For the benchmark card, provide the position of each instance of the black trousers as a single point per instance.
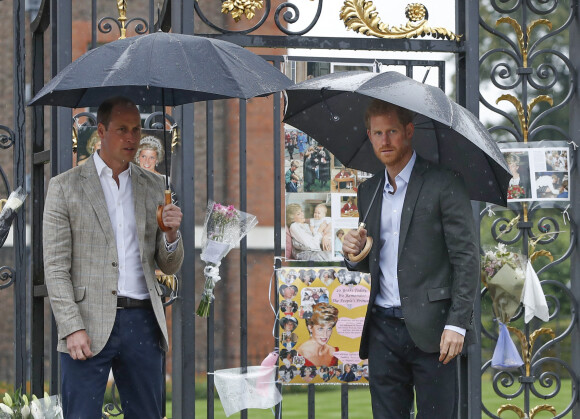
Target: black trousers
(397, 368)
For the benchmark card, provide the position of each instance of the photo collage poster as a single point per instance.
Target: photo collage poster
(321, 199)
(321, 315)
(150, 156)
(539, 174)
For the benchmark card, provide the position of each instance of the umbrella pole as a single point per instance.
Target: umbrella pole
(369, 244)
(167, 200)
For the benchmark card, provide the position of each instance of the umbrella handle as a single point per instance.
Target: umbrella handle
(365, 251)
(162, 226)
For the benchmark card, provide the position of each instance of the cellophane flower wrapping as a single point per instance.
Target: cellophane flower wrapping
(9, 211)
(505, 355)
(48, 407)
(223, 229)
(18, 407)
(503, 271)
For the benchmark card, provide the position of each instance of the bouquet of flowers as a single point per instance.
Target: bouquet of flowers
(503, 273)
(18, 407)
(516, 192)
(223, 229)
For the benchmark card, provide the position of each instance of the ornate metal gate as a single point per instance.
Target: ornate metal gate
(224, 133)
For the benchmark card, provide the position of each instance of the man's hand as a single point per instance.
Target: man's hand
(451, 345)
(172, 219)
(354, 241)
(79, 345)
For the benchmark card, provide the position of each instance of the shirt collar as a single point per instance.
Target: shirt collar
(100, 164)
(405, 174)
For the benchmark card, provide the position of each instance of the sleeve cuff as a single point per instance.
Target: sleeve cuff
(171, 247)
(459, 330)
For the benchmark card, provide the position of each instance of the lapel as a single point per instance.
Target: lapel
(374, 217)
(413, 189)
(139, 199)
(93, 190)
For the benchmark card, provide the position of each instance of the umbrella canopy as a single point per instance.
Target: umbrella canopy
(331, 109)
(186, 68)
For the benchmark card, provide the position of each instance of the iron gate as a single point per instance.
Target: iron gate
(221, 164)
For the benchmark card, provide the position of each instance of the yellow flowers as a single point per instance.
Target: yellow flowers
(239, 8)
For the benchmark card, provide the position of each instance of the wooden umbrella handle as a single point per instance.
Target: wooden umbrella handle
(365, 251)
(162, 226)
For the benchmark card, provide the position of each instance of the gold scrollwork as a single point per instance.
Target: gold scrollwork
(523, 116)
(122, 7)
(75, 140)
(539, 253)
(361, 16)
(542, 407)
(511, 407)
(527, 349)
(239, 8)
(523, 42)
(521, 414)
(175, 137)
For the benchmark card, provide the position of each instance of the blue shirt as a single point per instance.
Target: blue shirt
(389, 240)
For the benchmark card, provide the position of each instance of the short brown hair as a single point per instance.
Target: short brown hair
(379, 107)
(106, 108)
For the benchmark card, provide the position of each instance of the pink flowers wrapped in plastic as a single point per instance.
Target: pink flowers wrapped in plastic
(224, 227)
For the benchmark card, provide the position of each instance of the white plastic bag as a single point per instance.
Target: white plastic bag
(255, 388)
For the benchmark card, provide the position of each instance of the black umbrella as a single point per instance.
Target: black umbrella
(163, 69)
(331, 109)
(185, 68)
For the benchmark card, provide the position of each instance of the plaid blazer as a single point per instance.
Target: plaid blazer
(80, 252)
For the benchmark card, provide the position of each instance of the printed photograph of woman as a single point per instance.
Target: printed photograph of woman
(316, 350)
(150, 154)
(306, 244)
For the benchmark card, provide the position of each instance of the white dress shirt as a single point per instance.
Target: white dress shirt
(122, 215)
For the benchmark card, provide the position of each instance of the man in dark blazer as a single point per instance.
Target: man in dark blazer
(424, 270)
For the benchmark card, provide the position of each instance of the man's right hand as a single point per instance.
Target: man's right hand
(354, 241)
(79, 345)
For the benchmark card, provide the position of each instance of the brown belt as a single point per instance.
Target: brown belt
(126, 302)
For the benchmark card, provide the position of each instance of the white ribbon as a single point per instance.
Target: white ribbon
(565, 214)
(573, 144)
(212, 272)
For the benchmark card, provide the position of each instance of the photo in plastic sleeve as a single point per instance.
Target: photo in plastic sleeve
(551, 174)
(321, 318)
(345, 180)
(308, 227)
(538, 174)
(151, 152)
(293, 176)
(520, 188)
